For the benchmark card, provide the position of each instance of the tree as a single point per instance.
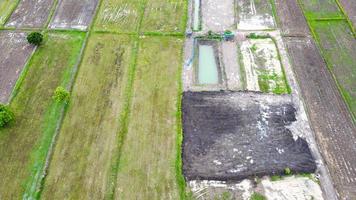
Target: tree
(6, 115)
(35, 38)
(61, 95)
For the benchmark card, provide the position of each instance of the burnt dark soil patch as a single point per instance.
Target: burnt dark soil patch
(236, 135)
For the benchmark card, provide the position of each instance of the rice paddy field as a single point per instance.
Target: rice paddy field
(120, 134)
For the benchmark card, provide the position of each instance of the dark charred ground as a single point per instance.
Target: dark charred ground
(235, 135)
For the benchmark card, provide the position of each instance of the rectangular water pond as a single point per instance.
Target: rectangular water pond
(207, 70)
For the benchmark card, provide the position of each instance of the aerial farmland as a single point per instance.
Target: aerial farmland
(178, 99)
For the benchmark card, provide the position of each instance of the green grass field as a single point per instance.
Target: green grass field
(119, 15)
(81, 163)
(321, 9)
(164, 16)
(6, 7)
(339, 50)
(147, 166)
(24, 144)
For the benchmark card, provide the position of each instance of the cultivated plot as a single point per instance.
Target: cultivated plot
(87, 142)
(254, 15)
(339, 50)
(327, 113)
(30, 14)
(73, 14)
(119, 15)
(147, 162)
(291, 18)
(14, 52)
(6, 7)
(24, 144)
(321, 9)
(262, 66)
(235, 135)
(164, 16)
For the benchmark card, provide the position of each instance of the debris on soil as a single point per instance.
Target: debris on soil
(236, 135)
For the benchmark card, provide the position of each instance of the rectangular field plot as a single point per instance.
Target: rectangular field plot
(14, 52)
(263, 68)
(147, 162)
(81, 163)
(73, 14)
(339, 50)
(119, 15)
(164, 16)
(24, 144)
(6, 7)
(291, 18)
(254, 15)
(321, 8)
(30, 14)
(236, 135)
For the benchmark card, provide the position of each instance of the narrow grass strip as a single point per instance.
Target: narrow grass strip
(178, 163)
(51, 13)
(329, 19)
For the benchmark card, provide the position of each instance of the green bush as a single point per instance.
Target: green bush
(6, 115)
(287, 171)
(61, 95)
(35, 38)
(257, 196)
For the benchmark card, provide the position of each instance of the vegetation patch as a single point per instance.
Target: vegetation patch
(6, 8)
(24, 145)
(87, 141)
(147, 166)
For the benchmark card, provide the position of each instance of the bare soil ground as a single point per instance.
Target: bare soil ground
(218, 15)
(30, 13)
(329, 116)
(291, 18)
(235, 135)
(14, 52)
(350, 8)
(74, 14)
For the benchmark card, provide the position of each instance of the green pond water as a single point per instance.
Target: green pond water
(208, 70)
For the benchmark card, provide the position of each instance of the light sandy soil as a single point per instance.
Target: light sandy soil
(214, 19)
(14, 52)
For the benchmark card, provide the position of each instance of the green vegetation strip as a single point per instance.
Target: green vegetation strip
(347, 18)
(25, 143)
(147, 167)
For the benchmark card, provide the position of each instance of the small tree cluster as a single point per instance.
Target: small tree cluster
(6, 115)
(61, 95)
(35, 38)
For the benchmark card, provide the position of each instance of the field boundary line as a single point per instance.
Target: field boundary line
(329, 19)
(9, 15)
(51, 13)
